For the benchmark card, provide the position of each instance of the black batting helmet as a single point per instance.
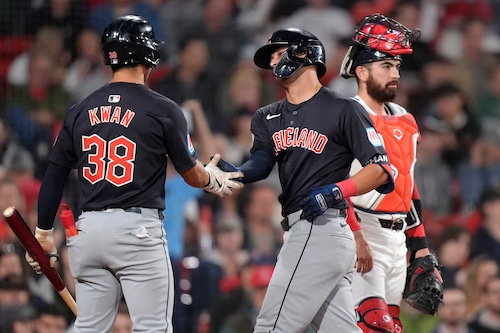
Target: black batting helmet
(377, 37)
(130, 40)
(299, 42)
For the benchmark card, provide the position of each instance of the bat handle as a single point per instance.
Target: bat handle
(68, 299)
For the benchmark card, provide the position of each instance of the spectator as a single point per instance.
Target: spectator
(189, 79)
(223, 37)
(10, 149)
(48, 40)
(244, 92)
(35, 109)
(488, 107)
(486, 241)
(433, 177)
(473, 65)
(10, 195)
(261, 212)
(459, 131)
(453, 249)
(69, 16)
(51, 318)
(229, 254)
(242, 320)
(179, 16)
(88, 70)
(10, 261)
(14, 289)
(487, 319)
(17, 318)
(435, 71)
(479, 271)
(452, 312)
(108, 11)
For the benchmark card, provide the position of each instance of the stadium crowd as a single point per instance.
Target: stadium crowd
(223, 250)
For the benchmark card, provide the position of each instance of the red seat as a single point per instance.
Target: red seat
(11, 46)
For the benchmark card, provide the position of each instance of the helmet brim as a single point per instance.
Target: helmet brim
(262, 57)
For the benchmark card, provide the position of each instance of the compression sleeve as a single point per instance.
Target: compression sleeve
(258, 166)
(50, 194)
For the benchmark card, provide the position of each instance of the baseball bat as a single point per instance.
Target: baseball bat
(30, 244)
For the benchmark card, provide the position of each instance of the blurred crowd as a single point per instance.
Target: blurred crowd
(223, 250)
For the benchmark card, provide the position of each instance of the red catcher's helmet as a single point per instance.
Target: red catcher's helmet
(377, 37)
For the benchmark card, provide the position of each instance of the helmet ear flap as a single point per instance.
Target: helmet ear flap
(346, 70)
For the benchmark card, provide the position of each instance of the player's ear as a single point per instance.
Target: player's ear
(362, 73)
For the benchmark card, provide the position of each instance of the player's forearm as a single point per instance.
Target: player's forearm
(197, 176)
(258, 167)
(369, 178)
(50, 194)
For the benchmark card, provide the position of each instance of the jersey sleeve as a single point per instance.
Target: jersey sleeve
(63, 151)
(361, 136)
(365, 142)
(179, 145)
(260, 134)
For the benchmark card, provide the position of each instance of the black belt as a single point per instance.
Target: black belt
(137, 210)
(294, 217)
(392, 224)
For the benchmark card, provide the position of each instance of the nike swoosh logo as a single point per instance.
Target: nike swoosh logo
(271, 116)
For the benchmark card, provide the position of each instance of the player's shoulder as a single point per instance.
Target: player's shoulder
(396, 109)
(272, 109)
(340, 101)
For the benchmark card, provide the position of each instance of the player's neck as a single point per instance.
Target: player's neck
(374, 105)
(303, 88)
(137, 75)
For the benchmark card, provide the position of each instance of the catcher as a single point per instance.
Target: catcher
(389, 221)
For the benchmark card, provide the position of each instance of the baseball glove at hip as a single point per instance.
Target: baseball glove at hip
(423, 291)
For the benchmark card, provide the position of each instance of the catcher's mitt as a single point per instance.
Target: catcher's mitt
(423, 291)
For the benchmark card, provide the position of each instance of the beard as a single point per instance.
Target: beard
(381, 94)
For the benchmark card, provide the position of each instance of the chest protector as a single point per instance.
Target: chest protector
(399, 134)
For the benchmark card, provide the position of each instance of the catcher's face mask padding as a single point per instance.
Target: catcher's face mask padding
(377, 37)
(304, 49)
(130, 40)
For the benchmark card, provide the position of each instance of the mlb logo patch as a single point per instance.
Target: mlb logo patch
(373, 137)
(114, 98)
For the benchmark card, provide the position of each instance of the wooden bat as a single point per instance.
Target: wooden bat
(30, 244)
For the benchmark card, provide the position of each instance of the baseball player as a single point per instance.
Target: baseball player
(313, 134)
(375, 59)
(118, 139)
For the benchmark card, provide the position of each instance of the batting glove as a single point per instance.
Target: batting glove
(221, 182)
(227, 167)
(46, 240)
(319, 200)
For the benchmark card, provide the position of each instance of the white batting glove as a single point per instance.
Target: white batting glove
(46, 240)
(221, 182)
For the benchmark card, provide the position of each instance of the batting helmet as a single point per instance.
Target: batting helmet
(304, 49)
(130, 40)
(377, 37)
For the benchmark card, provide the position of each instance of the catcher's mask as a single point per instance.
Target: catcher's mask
(304, 49)
(130, 40)
(377, 37)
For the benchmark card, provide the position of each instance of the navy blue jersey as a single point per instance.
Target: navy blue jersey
(315, 142)
(118, 139)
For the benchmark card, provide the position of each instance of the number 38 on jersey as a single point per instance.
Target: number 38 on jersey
(112, 160)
